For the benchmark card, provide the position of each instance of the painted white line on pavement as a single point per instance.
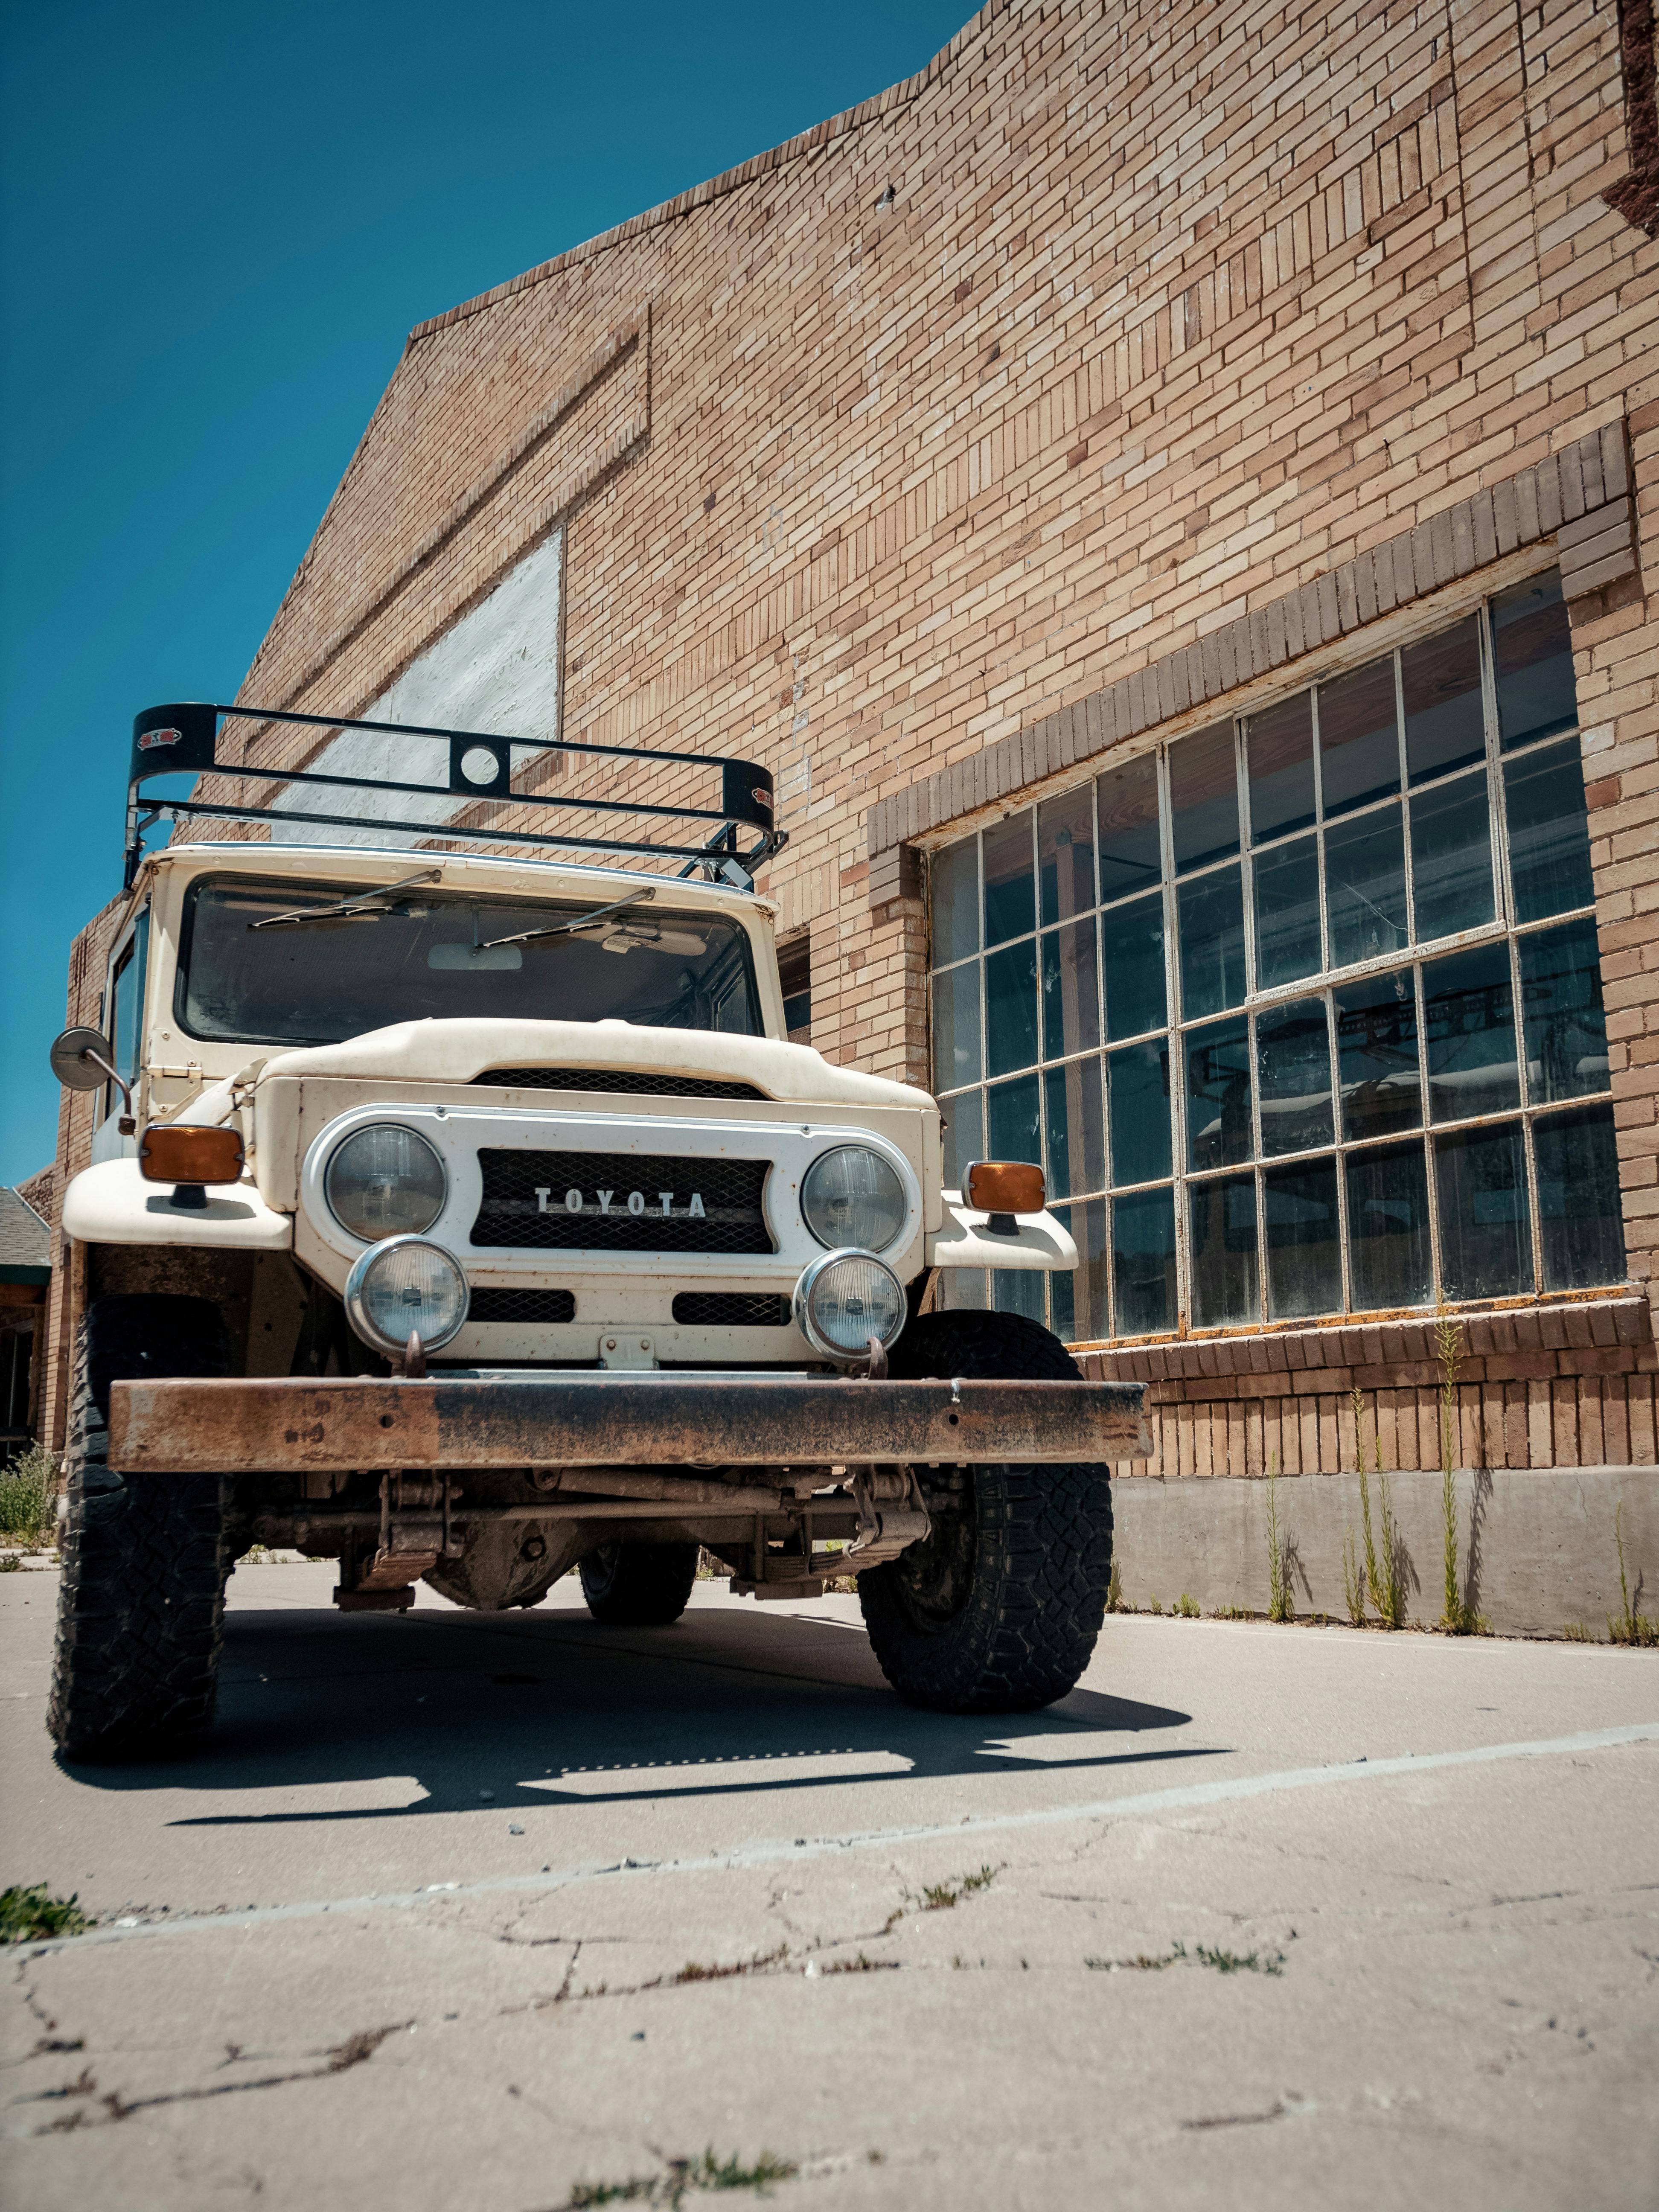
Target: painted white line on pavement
(1189, 1798)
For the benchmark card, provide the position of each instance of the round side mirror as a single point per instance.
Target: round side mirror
(69, 1063)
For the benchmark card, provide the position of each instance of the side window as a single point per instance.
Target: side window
(126, 1005)
(795, 973)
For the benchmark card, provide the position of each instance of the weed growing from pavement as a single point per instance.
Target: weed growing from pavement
(1630, 1625)
(942, 1896)
(1458, 1616)
(28, 1499)
(860, 1965)
(680, 2178)
(1280, 1607)
(1574, 1631)
(1185, 1607)
(1201, 1955)
(693, 1972)
(1115, 1591)
(32, 1916)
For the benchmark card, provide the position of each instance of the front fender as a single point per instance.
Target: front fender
(967, 1240)
(112, 1204)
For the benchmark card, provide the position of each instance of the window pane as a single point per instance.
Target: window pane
(1204, 797)
(1451, 857)
(1469, 1016)
(1136, 998)
(956, 902)
(1224, 1291)
(961, 1290)
(1143, 1261)
(1010, 882)
(1365, 887)
(1376, 1055)
(1020, 1290)
(1278, 745)
(1293, 1077)
(1302, 1227)
(1219, 1095)
(1071, 990)
(1358, 739)
(1579, 1220)
(1287, 913)
(956, 1027)
(1077, 1141)
(1130, 859)
(1549, 832)
(1486, 1241)
(1011, 1008)
(1440, 678)
(1014, 1132)
(963, 1135)
(1532, 654)
(1390, 1256)
(1077, 1307)
(1212, 920)
(1566, 1026)
(1065, 854)
(1139, 1080)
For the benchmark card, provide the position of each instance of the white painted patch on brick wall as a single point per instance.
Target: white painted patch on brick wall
(496, 671)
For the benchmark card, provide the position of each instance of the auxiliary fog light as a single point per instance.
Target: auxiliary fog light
(406, 1283)
(844, 1299)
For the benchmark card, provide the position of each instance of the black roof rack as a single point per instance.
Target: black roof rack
(185, 736)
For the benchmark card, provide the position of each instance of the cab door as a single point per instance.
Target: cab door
(124, 1011)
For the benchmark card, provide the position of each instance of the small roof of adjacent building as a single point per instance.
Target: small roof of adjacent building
(25, 1240)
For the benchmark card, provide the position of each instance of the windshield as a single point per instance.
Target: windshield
(307, 980)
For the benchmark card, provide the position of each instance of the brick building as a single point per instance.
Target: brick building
(1170, 493)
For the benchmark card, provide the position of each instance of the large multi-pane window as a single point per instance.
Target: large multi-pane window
(1302, 1012)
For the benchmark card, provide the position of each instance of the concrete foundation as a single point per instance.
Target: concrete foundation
(1536, 1547)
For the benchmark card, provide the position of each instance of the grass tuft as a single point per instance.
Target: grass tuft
(1280, 1606)
(32, 1916)
(1201, 1955)
(1185, 1607)
(1630, 1625)
(1115, 1591)
(943, 1896)
(681, 2177)
(1575, 1631)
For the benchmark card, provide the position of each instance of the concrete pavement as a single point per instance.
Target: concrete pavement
(413, 1925)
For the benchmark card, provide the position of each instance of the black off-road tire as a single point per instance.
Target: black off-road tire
(639, 1585)
(146, 1557)
(998, 1610)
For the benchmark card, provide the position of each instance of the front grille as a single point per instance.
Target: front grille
(731, 1309)
(615, 1079)
(614, 1202)
(540, 1308)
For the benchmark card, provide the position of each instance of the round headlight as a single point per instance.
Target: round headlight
(385, 1181)
(406, 1284)
(851, 1196)
(844, 1299)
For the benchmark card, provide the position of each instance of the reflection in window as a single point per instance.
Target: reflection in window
(1154, 1013)
(1293, 1077)
(1212, 925)
(1451, 857)
(1486, 1239)
(1579, 1220)
(1223, 1244)
(1390, 1248)
(1301, 1230)
(1549, 832)
(1564, 1021)
(1468, 1017)
(1376, 1055)
(1532, 662)
(1219, 1095)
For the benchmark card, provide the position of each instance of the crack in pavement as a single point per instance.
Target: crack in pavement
(355, 2051)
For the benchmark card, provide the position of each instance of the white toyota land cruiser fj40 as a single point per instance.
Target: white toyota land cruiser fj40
(467, 1219)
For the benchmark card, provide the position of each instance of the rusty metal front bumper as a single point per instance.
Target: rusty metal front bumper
(559, 1420)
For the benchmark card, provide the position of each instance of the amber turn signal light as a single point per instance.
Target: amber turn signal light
(1004, 1187)
(181, 1154)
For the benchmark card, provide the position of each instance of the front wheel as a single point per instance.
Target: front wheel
(639, 1585)
(998, 1610)
(140, 1608)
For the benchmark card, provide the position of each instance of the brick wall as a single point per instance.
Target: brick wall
(1043, 375)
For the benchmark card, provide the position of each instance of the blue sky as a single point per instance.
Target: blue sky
(216, 225)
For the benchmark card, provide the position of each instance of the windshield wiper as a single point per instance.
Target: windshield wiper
(565, 928)
(362, 904)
